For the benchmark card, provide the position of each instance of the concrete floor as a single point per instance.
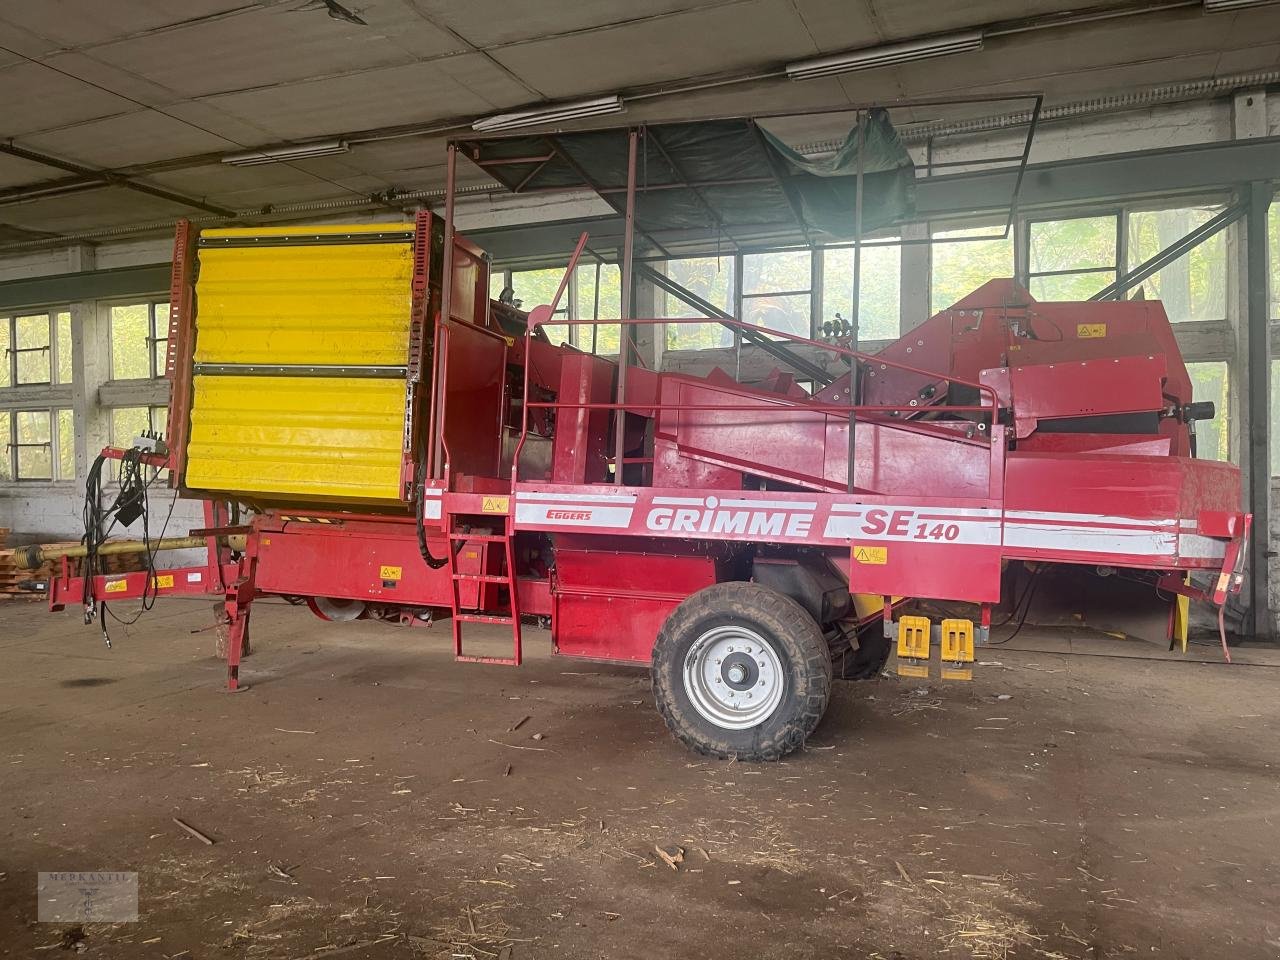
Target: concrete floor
(1058, 806)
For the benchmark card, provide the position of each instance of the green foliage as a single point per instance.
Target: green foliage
(879, 290)
(130, 352)
(1209, 382)
(961, 266)
(1193, 287)
(711, 278)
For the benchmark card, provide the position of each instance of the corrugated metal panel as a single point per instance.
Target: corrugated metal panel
(321, 438)
(330, 303)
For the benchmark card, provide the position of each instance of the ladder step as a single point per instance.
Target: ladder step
(482, 578)
(498, 661)
(482, 618)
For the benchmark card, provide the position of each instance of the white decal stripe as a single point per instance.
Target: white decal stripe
(539, 514)
(1096, 519)
(976, 531)
(680, 501)
(1090, 539)
(578, 497)
(920, 513)
(771, 504)
(1202, 548)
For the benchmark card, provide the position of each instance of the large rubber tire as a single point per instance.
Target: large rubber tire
(796, 651)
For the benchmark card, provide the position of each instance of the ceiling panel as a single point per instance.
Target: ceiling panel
(914, 18)
(495, 22)
(841, 24)
(745, 35)
(75, 22)
(100, 208)
(37, 98)
(15, 172)
(125, 140)
(282, 44)
(416, 92)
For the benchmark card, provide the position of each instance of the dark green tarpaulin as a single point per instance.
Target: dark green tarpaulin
(827, 188)
(728, 182)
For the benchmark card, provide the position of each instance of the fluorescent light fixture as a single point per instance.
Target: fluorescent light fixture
(553, 114)
(301, 151)
(887, 55)
(1225, 6)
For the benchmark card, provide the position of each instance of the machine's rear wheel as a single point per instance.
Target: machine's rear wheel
(741, 671)
(866, 660)
(338, 609)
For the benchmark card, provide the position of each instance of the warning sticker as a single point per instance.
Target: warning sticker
(116, 586)
(162, 581)
(1091, 331)
(495, 505)
(876, 556)
(390, 573)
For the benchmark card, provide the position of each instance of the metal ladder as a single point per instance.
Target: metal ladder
(457, 539)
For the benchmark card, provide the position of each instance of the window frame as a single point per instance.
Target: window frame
(10, 319)
(53, 445)
(153, 339)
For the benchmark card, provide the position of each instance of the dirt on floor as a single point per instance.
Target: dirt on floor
(369, 798)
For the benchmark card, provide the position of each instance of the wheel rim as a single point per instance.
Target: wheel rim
(733, 677)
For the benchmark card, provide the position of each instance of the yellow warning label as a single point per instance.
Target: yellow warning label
(390, 573)
(877, 556)
(495, 504)
(116, 586)
(162, 581)
(1091, 331)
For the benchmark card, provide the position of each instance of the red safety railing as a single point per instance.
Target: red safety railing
(542, 315)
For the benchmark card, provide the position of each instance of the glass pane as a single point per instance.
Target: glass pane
(4, 362)
(710, 278)
(1273, 244)
(1073, 244)
(1193, 287)
(497, 280)
(783, 272)
(879, 296)
(127, 423)
(959, 268)
(789, 314)
(6, 451)
(160, 335)
(537, 287)
(557, 333)
(34, 462)
(1275, 404)
(1070, 286)
(130, 357)
(609, 306)
(1209, 382)
(66, 445)
(32, 335)
(159, 419)
(63, 323)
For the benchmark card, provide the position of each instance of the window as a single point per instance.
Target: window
(1273, 245)
(538, 287)
(38, 445)
(775, 291)
(711, 278)
(36, 348)
(130, 422)
(1193, 287)
(960, 265)
(879, 290)
(598, 302)
(139, 339)
(1071, 259)
(1209, 382)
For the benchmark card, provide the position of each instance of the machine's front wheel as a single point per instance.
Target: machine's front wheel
(741, 671)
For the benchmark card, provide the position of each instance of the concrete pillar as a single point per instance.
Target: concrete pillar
(914, 308)
(90, 368)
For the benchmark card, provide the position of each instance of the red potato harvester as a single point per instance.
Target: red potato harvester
(369, 432)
